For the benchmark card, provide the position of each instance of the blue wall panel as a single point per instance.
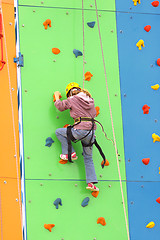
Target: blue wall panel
(143, 7)
(138, 71)
(143, 209)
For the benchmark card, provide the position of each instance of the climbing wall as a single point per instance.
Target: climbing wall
(44, 73)
(138, 72)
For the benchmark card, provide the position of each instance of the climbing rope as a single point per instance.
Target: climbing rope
(83, 42)
(127, 228)
(13, 117)
(2, 62)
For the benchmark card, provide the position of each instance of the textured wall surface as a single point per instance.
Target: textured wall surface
(45, 178)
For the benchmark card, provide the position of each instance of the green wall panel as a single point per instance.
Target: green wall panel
(101, 5)
(71, 220)
(41, 77)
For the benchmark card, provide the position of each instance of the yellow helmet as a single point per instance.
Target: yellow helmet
(70, 86)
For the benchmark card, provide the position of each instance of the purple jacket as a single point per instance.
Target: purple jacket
(80, 105)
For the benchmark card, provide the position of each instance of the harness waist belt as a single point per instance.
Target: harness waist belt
(84, 119)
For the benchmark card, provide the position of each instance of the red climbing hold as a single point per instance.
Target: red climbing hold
(49, 226)
(147, 28)
(146, 160)
(158, 200)
(145, 109)
(106, 163)
(66, 125)
(97, 110)
(63, 161)
(88, 76)
(155, 3)
(46, 23)
(158, 61)
(95, 193)
(101, 220)
(55, 50)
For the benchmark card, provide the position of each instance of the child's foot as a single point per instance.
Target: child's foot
(92, 187)
(65, 156)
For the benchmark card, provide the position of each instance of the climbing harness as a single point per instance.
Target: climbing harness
(70, 137)
(2, 62)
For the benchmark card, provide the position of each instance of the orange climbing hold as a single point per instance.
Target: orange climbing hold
(147, 28)
(158, 61)
(101, 220)
(88, 76)
(63, 161)
(106, 164)
(54, 99)
(155, 3)
(97, 110)
(55, 50)
(95, 193)
(158, 200)
(46, 23)
(146, 160)
(66, 125)
(145, 109)
(49, 226)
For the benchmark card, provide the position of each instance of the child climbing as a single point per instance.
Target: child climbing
(82, 110)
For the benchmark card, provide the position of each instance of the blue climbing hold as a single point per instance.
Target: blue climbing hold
(91, 24)
(49, 142)
(77, 52)
(85, 202)
(57, 201)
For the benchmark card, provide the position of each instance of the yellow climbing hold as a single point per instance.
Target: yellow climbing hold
(155, 87)
(155, 137)
(140, 44)
(150, 225)
(135, 2)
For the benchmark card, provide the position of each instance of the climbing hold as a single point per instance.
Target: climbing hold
(55, 50)
(54, 99)
(91, 24)
(106, 163)
(77, 52)
(147, 28)
(150, 225)
(155, 137)
(97, 110)
(145, 109)
(46, 23)
(49, 142)
(95, 193)
(158, 200)
(158, 61)
(63, 161)
(135, 2)
(85, 202)
(57, 201)
(88, 76)
(155, 87)
(155, 3)
(140, 44)
(101, 220)
(49, 226)
(66, 125)
(146, 160)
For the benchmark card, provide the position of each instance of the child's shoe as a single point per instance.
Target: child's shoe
(65, 156)
(92, 187)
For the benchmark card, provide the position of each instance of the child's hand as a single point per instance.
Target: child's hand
(57, 95)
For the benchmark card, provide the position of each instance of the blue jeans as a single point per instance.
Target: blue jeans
(61, 134)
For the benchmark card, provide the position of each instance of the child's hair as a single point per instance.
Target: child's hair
(78, 90)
